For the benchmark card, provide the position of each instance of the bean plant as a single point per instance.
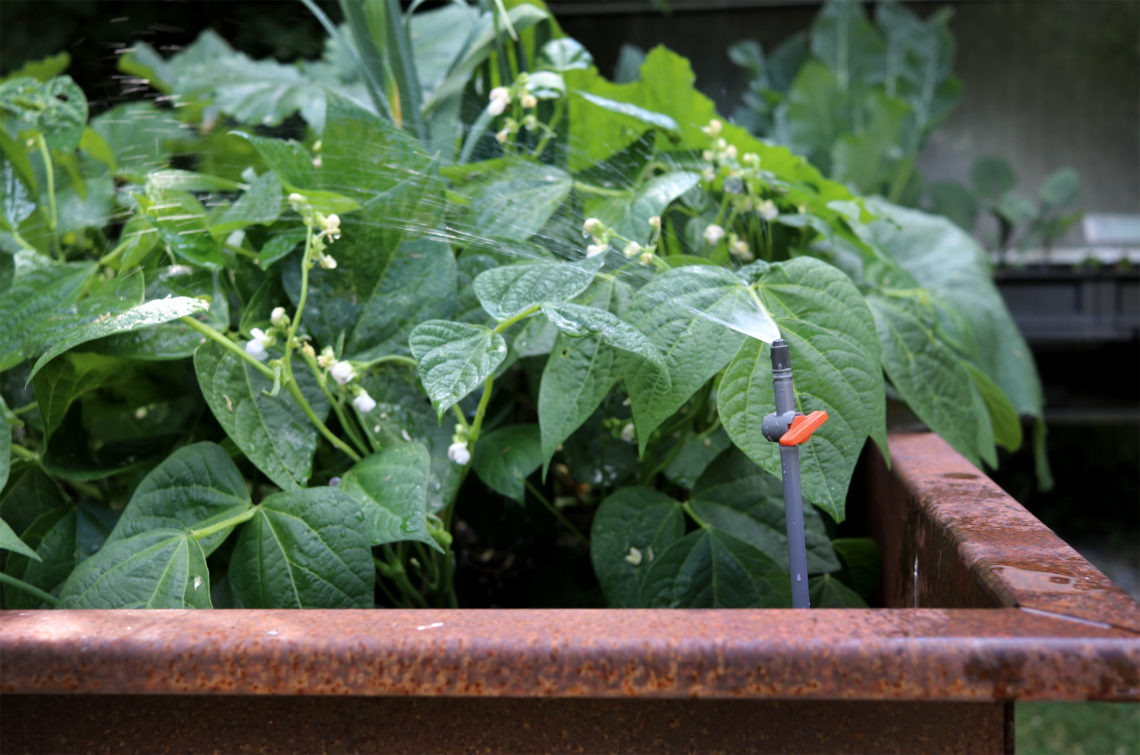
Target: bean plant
(263, 322)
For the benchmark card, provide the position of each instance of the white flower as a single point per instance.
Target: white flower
(363, 402)
(327, 262)
(332, 225)
(279, 318)
(655, 222)
(632, 249)
(645, 258)
(502, 136)
(317, 161)
(730, 152)
(255, 346)
(714, 128)
(628, 433)
(500, 93)
(714, 233)
(592, 226)
(296, 199)
(751, 159)
(528, 101)
(593, 250)
(634, 556)
(496, 107)
(740, 249)
(721, 144)
(342, 372)
(327, 358)
(707, 155)
(458, 452)
(768, 210)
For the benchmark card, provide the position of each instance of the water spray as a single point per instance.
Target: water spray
(790, 428)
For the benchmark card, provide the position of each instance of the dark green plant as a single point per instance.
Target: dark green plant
(247, 370)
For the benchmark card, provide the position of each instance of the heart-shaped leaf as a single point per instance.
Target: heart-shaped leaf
(454, 359)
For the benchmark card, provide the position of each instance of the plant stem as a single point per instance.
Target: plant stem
(217, 337)
(554, 510)
(49, 170)
(232, 521)
(391, 359)
(322, 428)
(24, 453)
(688, 509)
(481, 410)
(600, 190)
(32, 589)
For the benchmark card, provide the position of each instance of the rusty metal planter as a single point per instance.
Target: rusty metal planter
(985, 606)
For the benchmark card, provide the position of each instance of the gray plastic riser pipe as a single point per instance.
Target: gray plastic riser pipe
(794, 515)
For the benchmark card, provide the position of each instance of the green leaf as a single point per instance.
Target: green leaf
(932, 380)
(403, 408)
(42, 69)
(417, 282)
(304, 549)
(516, 201)
(992, 177)
(56, 108)
(66, 380)
(259, 204)
(153, 569)
(814, 114)
(696, 316)
(145, 315)
(272, 431)
(510, 290)
(16, 203)
(1003, 416)
(454, 359)
(392, 486)
(869, 159)
(62, 536)
(180, 220)
(632, 527)
(505, 457)
(9, 540)
(826, 591)
(736, 496)
(626, 111)
(566, 54)
(710, 569)
(579, 320)
(835, 361)
(195, 488)
(33, 295)
(848, 43)
(141, 136)
(862, 568)
(629, 217)
(948, 262)
(1060, 188)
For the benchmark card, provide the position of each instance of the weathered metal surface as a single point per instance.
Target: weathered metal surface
(198, 724)
(974, 545)
(1062, 643)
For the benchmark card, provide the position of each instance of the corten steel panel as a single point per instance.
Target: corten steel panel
(1076, 640)
(199, 724)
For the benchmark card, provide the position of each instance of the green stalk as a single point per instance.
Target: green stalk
(217, 337)
(689, 510)
(32, 589)
(232, 521)
(322, 428)
(24, 453)
(554, 510)
(53, 218)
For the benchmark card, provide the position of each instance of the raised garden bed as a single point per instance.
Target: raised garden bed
(985, 606)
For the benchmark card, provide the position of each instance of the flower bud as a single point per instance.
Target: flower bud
(458, 452)
(655, 222)
(307, 350)
(342, 372)
(363, 402)
(632, 249)
(739, 249)
(713, 234)
(628, 433)
(714, 128)
(497, 106)
(528, 101)
(768, 210)
(279, 318)
(707, 155)
(593, 250)
(646, 257)
(730, 151)
(327, 358)
(708, 174)
(327, 262)
(502, 136)
(592, 226)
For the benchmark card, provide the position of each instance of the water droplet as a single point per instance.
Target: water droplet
(799, 578)
(408, 525)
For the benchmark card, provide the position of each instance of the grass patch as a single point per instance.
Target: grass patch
(1077, 728)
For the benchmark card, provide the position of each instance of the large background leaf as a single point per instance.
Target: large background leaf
(391, 485)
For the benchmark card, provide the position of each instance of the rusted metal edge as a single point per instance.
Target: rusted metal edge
(951, 537)
(885, 654)
(951, 654)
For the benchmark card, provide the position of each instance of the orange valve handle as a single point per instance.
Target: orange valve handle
(802, 427)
